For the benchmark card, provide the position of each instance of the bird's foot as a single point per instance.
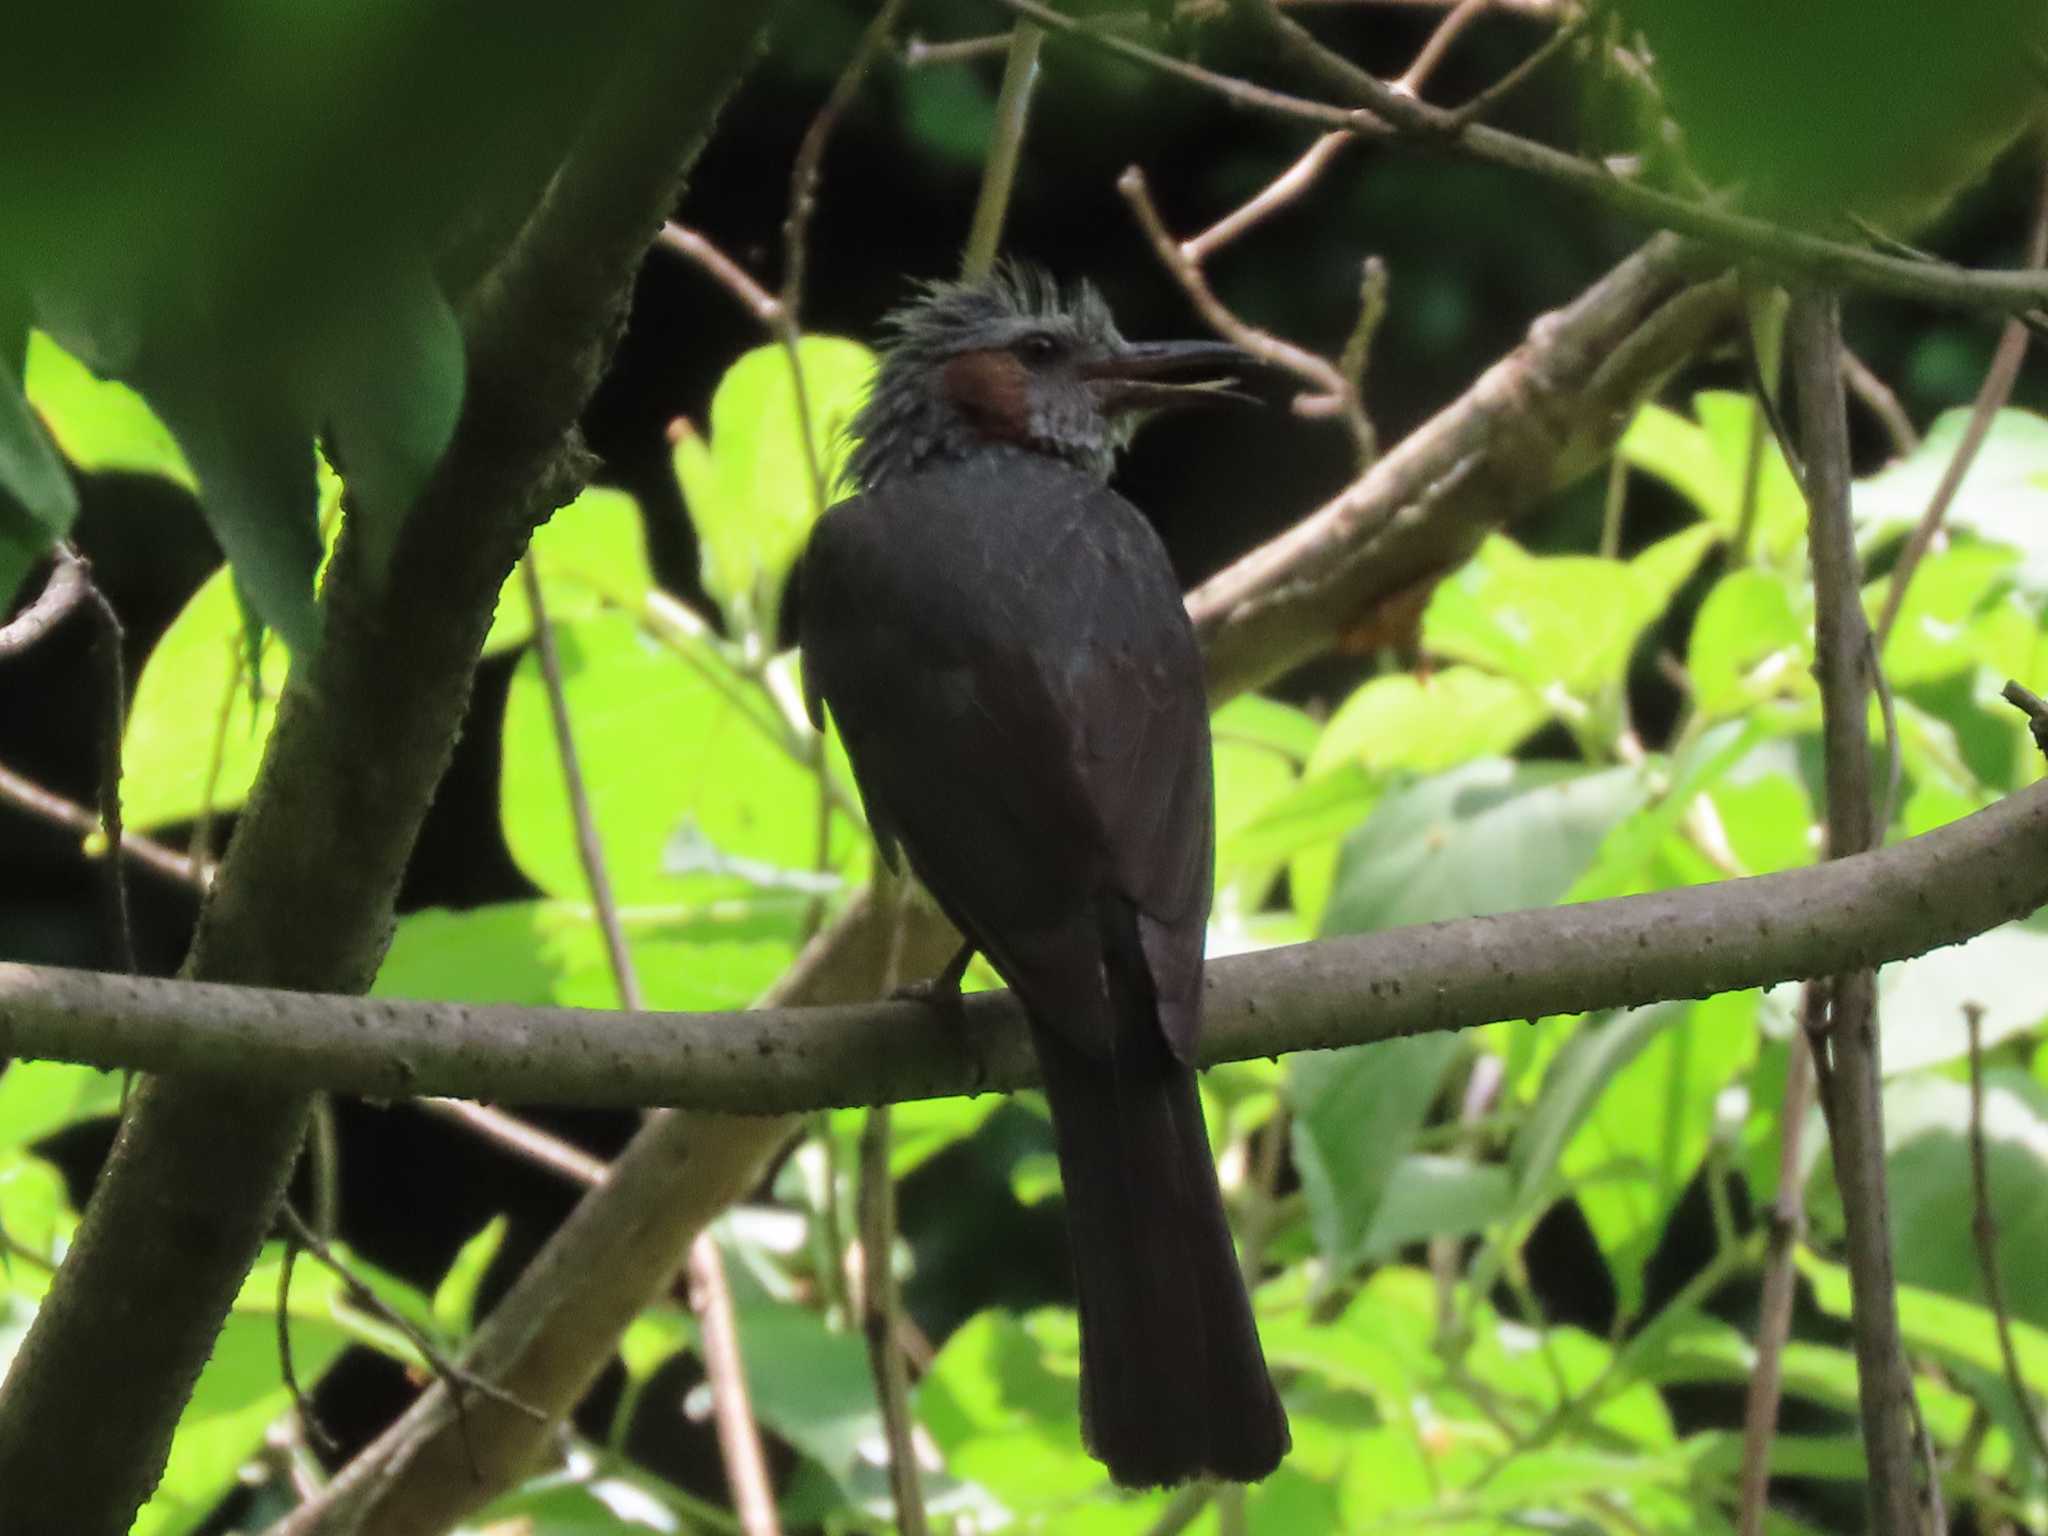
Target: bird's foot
(941, 991)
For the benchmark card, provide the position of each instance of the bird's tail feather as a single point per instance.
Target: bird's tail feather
(1173, 1382)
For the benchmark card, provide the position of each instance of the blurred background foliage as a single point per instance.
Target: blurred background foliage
(1511, 1276)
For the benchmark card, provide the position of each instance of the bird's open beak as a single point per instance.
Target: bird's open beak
(1161, 375)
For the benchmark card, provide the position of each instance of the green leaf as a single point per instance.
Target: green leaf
(1707, 462)
(1256, 720)
(258, 490)
(22, 544)
(1433, 1196)
(101, 425)
(1578, 1075)
(241, 1391)
(591, 555)
(1632, 846)
(387, 387)
(198, 726)
(666, 738)
(1921, 1000)
(1752, 640)
(2003, 498)
(1959, 1333)
(38, 1098)
(455, 1297)
(1564, 621)
(1938, 631)
(750, 493)
(32, 476)
(35, 1213)
(1636, 1151)
(536, 953)
(1356, 1113)
(809, 1384)
(1491, 836)
(1428, 723)
(1000, 1403)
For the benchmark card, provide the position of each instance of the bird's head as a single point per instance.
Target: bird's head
(1012, 363)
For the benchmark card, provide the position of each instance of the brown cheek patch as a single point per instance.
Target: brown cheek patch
(990, 388)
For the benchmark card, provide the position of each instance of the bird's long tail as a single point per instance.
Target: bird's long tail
(1173, 1382)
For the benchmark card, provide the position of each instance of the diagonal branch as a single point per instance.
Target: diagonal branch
(1939, 888)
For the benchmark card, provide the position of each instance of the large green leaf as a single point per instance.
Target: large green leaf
(1428, 723)
(1634, 1154)
(1959, 1333)
(241, 1392)
(1356, 1113)
(41, 1097)
(750, 490)
(1752, 640)
(591, 555)
(1492, 836)
(1577, 1076)
(1707, 461)
(669, 740)
(535, 953)
(32, 476)
(100, 424)
(2003, 498)
(1921, 1001)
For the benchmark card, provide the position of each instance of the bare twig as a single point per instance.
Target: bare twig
(1984, 1228)
(723, 270)
(1774, 1309)
(1456, 20)
(878, 1313)
(1334, 395)
(1854, 1083)
(999, 172)
(521, 1138)
(1480, 105)
(1992, 396)
(1385, 114)
(1878, 399)
(810, 155)
(1269, 199)
(27, 795)
(917, 53)
(739, 1441)
(453, 1376)
(62, 592)
(2033, 706)
(302, 1404)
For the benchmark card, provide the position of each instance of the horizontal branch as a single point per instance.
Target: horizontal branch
(1900, 901)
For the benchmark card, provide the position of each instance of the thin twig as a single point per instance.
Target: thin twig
(1881, 402)
(810, 155)
(62, 592)
(1774, 1310)
(999, 171)
(1479, 106)
(1387, 115)
(878, 1311)
(47, 805)
(1854, 1084)
(455, 1379)
(521, 1138)
(2033, 706)
(723, 270)
(1984, 1227)
(739, 1441)
(917, 53)
(1269, 199)
(1992, 396)
(1334, 395)
(1460, 16)
(302, 1404)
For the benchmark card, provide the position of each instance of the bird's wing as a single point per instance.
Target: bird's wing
(1021, 695)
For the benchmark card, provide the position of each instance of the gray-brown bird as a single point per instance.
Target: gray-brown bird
(1002, 642)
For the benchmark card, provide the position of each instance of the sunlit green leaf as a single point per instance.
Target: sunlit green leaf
(455, 1297)
(100, 424)
(751, 493)
(1433, 1196)
(1428, 723)
(666, 738)
(1752, 640)
(2003, 499)
(39, 1097)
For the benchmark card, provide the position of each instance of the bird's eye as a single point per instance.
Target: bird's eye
(1037, 347)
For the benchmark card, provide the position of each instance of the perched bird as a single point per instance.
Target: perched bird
(1001, 640)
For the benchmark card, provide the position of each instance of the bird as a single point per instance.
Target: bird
(1002, 643)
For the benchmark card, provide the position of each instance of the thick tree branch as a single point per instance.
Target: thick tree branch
(305, 895)
(556, 1328)
(1889, 904)
(1541, 416)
